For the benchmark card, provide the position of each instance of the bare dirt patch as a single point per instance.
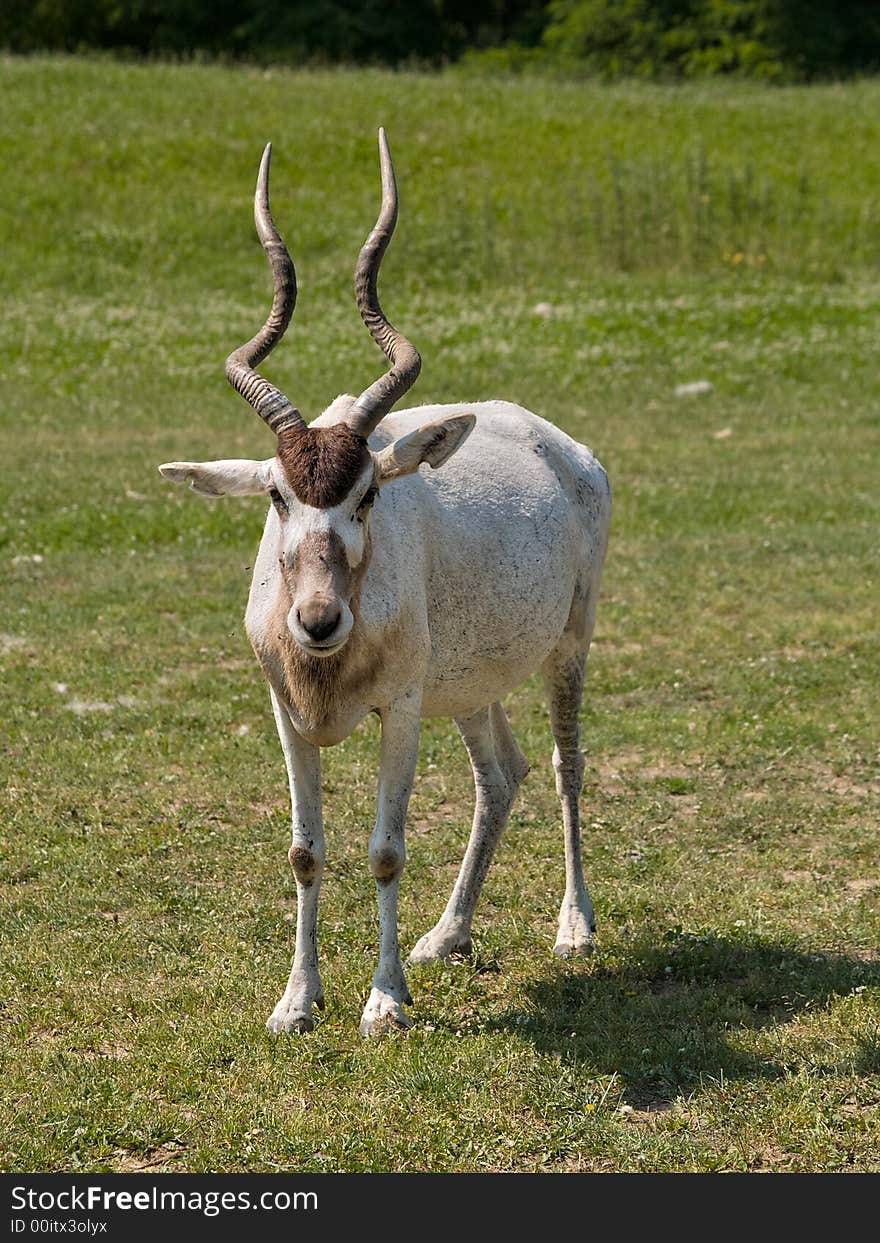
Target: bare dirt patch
(165, 1157)
(626, 768)
(822, 777)
(107, 1049)
(862, 884)
(846, 787)
(769, 1157)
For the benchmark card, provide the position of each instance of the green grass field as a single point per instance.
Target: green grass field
(581, 250)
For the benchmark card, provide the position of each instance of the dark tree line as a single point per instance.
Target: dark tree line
(776, 39)
(388, 32)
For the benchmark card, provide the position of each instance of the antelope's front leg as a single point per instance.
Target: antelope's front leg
(397, 766)
(294, 1011)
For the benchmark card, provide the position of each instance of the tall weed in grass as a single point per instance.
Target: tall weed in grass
(691, 214)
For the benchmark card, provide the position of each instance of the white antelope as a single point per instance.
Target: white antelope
(381, 588)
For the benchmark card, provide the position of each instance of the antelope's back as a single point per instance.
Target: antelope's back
(514, 528)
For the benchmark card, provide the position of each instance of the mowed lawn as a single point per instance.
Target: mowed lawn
(584, 251)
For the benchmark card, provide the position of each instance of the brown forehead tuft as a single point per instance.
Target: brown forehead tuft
(321, 464)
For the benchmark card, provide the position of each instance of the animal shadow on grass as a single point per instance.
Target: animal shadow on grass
(666, 1019)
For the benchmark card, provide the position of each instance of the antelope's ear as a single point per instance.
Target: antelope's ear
(434, 443)
(233, 477)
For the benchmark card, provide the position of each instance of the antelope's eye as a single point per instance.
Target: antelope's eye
(368, 497)
(366, 501)
(278, 500)
(363, 507)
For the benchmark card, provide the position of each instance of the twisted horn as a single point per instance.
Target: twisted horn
(268, 401)
(375, 402)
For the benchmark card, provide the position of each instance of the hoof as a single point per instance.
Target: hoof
(440, 944)
(576, 949)
(383, 1014)
(291, 1016)
(577, 923)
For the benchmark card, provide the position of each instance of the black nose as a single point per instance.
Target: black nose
(319, 627)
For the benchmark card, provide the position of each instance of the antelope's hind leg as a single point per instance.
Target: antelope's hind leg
(499, 766)
(294, 1011)
(563, 673)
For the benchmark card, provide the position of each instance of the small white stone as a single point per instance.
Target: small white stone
(82, 706)
(543, 309)
(696, 388)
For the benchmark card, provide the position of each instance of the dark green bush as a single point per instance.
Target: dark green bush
(777, 39)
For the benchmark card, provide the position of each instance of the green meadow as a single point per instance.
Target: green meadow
(585, 251)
